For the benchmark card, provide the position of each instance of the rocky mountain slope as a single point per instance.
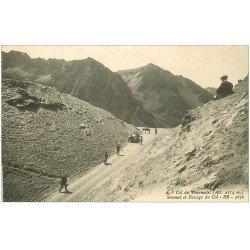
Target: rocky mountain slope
(211, 90)
(85, 79)
(209, 152)
(165, 95)
(46, 134)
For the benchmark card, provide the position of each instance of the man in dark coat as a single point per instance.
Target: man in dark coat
(64, 184)
(225, 89)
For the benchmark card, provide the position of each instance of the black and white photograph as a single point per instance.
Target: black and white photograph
(124, 125)
(115, 124)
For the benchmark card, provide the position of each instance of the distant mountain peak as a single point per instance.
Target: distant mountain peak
(165, 95)
(90, 59)
(151, 65)
(19, 54)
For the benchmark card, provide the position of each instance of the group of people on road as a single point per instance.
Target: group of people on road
(118, 149)
(225, 89)
(64, 179)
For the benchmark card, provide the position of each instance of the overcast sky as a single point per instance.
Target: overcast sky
(202, 64)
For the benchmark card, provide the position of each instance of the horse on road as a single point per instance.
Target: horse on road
(146, 129)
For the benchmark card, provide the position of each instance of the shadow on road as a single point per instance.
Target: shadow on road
(65, 192)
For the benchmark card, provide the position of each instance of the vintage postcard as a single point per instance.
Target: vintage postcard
(125, 123)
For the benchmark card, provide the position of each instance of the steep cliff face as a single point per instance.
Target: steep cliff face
(167, 96)
(85, 79)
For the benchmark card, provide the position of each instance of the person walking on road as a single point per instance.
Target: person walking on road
(64, 184)
(106, 156)
(156, 131)
(118, 149)
(141, 140)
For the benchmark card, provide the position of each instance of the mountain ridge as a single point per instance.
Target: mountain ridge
(164, 94)
(86, 79)
(147, 96)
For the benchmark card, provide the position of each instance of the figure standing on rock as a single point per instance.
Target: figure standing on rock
(225, 89)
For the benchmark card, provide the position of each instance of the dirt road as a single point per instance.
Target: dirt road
(210, 154)
(102, 180)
